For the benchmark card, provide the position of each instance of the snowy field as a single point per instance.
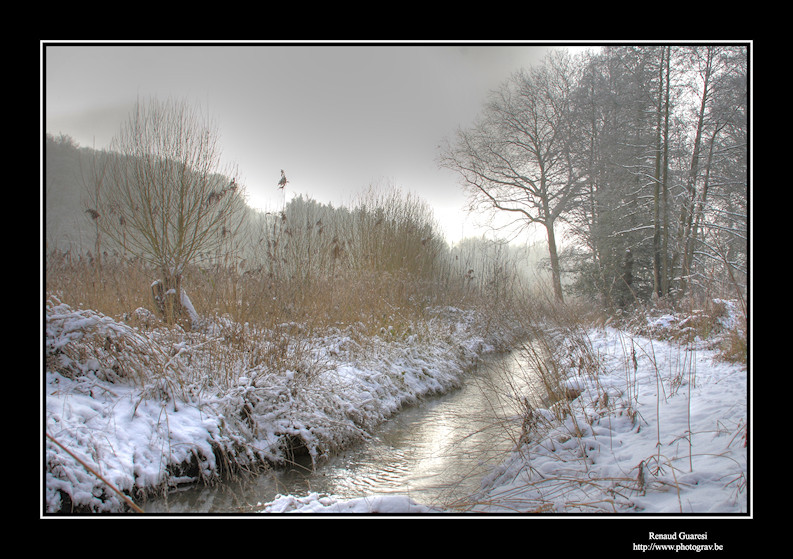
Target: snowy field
(661, 428)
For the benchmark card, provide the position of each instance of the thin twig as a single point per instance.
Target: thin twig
(126, 499)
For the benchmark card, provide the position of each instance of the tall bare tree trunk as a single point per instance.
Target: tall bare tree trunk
(660, 189)
(556, 275)
(657, 230)
(687, 217)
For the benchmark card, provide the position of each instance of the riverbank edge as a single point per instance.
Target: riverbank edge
(454, 351)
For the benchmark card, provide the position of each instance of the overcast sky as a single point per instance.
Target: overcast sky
(336, 118)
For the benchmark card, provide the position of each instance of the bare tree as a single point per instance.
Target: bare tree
(164, 198)
(517, 158)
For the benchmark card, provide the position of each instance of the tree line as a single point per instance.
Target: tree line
(638, 154)
(635, 156)
(183, 222)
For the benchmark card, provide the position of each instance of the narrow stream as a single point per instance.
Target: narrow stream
(435, 452)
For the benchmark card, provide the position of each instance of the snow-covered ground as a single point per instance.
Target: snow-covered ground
(661, 428)
(666, 433)
(150, 408)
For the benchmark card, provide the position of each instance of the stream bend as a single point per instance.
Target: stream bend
(435, 452)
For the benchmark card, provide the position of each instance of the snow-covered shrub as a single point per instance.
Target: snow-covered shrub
(83, 342)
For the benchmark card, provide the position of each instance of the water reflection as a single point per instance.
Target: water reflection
(436, 452)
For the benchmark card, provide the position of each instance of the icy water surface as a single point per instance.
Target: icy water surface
(435, 452)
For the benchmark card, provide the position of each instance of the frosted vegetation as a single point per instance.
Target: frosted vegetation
(188, 337)
(319, 324)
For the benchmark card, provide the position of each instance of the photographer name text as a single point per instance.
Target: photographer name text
(675, 536)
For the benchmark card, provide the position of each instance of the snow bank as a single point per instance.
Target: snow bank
(150, 409)
(661, 429)
(380, 504)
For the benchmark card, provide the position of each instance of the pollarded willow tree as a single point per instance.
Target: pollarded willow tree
(516, 159)
(165, 198)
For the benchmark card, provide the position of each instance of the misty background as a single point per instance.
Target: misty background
(337, 118)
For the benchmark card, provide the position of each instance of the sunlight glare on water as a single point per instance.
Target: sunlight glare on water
(435, 452)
